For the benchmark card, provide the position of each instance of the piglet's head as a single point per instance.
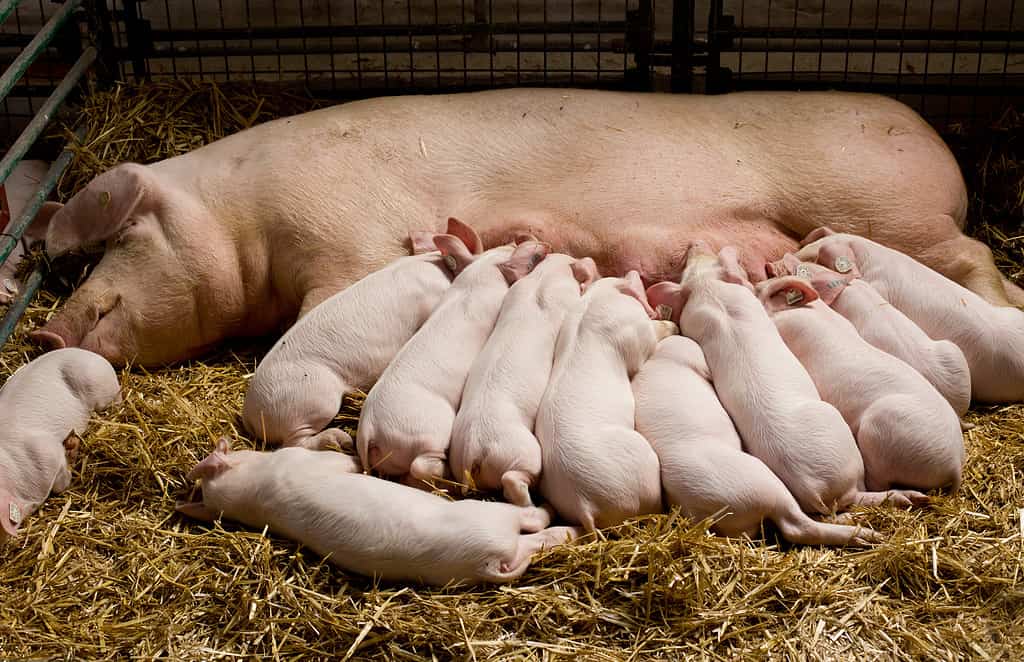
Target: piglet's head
(827, 283)
(703, 264)
(523, 260)
(207, 469)
(632, 285)
(785, 292)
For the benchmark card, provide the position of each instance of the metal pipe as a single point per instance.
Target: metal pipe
(35, 47)
(35, 279)
(19, 305)
(35, 202)
(7, 7)
(42, 118)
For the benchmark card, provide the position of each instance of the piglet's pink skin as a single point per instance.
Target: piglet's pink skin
(368, 525)
(45, 405)
(768, 394)
(939, 361)
(344, 343)
(598, 470)
(406, 422)
(991, 337)
(703, 467)
(906, 431)
(492, 442)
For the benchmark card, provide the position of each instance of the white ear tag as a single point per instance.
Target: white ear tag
(15, 513)
(843, 265)
(803, 272)
(794, 297)
(449, 261)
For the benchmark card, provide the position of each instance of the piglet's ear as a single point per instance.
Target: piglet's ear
(524, 259)
(584, 271)
(456, 255)
(838, 256)
(634, 287)
(421, 242)
(666, 298)
(12, 513)
(467, 234)
(523, 237)
(102, 209)
(786, 292)
(213, 464)
(816, 234)
(196, 510)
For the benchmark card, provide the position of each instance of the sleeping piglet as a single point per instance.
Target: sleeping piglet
(45, 405)
(703, 466)
(907, 433)
(597, 470)
(941, 362)
(406, 421)
(344, 343)
(991, 337)
(492, 442)
(369, 525)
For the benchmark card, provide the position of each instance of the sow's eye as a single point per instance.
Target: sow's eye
(123, 233)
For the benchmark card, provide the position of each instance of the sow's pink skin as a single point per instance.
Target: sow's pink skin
(991, 337)
(345, 343)
(598, 470)
(406, 421)
(492, 443)
(703, 467)
(769, 395)
(368, 525)
(939, 361)
(45, 405)
(906, 431)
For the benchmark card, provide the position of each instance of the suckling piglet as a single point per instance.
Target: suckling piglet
(597, 470)
(492, 443)
(406, 421)
(704, 469)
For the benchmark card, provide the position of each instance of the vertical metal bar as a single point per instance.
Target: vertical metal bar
(742, 47)
(330, 44)
(545, 55)
(99, 20)
(252, 57)
(899, 65)
(437, 43)
(35, 47)
(981, 50)
(384, 48)
(927, 54)
(490, 36)
(711, 82)
(174, 60)
(519, 38)
(465, 48)
(1006, 56)
(359, 52)
(792, 60)
(195, 25)
(952, 72)
(572, 42)
(277, 42)
(224, 42)
(408, 22)
(682, 40)
(846, 56)
(42, 118)
(821, 42)
(874, 44)
(305, 47)
(598, 40)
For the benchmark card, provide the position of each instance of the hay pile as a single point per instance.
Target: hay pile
(108, 570)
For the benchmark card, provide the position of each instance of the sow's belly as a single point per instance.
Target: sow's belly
(656, 249)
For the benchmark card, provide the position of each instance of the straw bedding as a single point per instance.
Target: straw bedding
(108, 570)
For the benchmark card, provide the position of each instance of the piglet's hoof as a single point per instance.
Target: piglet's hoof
(71, 446)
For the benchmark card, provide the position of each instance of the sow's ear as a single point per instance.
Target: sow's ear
(101, 209)
(457, 256)
(786, 292)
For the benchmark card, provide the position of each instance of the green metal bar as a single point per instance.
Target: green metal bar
(42, 118)
(19, 305)
(35, 47)
(17, 228)
(7, 7)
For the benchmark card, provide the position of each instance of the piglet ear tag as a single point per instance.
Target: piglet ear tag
(843, 264)
(450, 262)
(15, 514)
(794, 297)
(803, 272)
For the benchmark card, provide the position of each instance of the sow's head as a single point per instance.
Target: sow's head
(167, 284)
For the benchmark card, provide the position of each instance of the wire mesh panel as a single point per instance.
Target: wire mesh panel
(951, 60)
(345, 45)
(16, 32)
